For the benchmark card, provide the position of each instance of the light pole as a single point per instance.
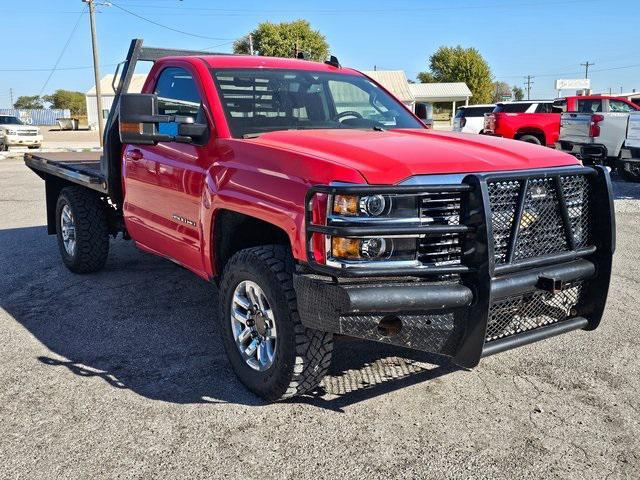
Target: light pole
(96, 68)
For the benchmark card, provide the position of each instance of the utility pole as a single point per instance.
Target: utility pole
(251, 44)
(586, 68)
(11, 96)
(96, 67)
(529, 83)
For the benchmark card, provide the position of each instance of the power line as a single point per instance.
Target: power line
(166, 26)
(64, 49)
(239, 11)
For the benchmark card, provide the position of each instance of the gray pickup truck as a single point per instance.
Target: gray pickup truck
(629, 162)
(596, 132)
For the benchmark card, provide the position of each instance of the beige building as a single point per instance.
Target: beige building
(108, 94)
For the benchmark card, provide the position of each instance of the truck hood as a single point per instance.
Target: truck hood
(390, 156)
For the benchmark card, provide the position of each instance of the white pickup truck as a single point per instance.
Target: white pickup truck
(629, 162)
(596, 132)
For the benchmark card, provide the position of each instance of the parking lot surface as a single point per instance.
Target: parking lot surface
(121, 374)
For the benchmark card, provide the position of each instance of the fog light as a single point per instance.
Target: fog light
(373, 248)
(345, 205)
(347, 248)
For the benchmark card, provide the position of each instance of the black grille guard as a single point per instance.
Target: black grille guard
(490, 282)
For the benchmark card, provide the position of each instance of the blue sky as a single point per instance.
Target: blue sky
(545, 38)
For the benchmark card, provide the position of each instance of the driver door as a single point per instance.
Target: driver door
(164, 182)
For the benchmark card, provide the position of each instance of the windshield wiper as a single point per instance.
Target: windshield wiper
(378, 128)
(252, 135)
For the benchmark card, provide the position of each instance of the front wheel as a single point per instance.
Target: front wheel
(82, 230)
(269, 349)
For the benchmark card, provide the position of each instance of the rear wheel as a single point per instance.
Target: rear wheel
(271, 352)
(82, 230)
(630, 171)
(530, 139)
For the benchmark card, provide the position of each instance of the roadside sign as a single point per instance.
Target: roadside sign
(506, 98)
(573, 84)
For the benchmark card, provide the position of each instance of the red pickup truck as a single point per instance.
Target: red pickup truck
(538, 121)
(321, 205)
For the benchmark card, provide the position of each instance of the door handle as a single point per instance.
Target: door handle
(134, 155)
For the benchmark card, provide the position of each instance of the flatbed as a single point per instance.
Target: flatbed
(82, 168)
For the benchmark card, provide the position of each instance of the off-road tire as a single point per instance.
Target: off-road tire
(627, 175)
(302, 355)
(4, 147)
(33, 147)
(530, 139)
(91, 230)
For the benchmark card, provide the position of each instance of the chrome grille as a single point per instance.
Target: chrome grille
(27, 133)
(442, 208)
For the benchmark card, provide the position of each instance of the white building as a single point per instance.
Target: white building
(108, 95)
(455, 92)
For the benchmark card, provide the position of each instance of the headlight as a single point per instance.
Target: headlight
(372, 249)
(11, 132)
(372, 206)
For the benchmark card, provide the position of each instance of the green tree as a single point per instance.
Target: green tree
(426, 77)
(32, 102)
(74, 101)
(284, 40)
(518, 93)
(458, 64)
(500, 90)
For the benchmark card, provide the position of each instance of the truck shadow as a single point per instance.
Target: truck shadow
(147, 325)
(623, 190)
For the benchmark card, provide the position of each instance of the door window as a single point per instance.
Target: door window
(178, 95)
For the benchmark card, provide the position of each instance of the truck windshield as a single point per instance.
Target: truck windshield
(260, 101)
(10, 121)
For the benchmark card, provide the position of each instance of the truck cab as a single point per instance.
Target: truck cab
(321, 205)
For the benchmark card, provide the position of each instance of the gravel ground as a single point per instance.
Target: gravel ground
(121, 374)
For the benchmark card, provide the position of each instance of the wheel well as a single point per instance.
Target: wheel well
(235, 231)
(531, 131)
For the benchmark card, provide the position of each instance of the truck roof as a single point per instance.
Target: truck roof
(255, 61)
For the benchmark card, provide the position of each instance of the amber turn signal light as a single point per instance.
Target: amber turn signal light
(345, 205)
(345, 248)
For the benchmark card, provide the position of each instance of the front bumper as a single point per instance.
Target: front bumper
(17, 140)
(482, 309)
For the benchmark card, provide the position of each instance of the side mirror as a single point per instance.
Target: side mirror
(139, 121)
